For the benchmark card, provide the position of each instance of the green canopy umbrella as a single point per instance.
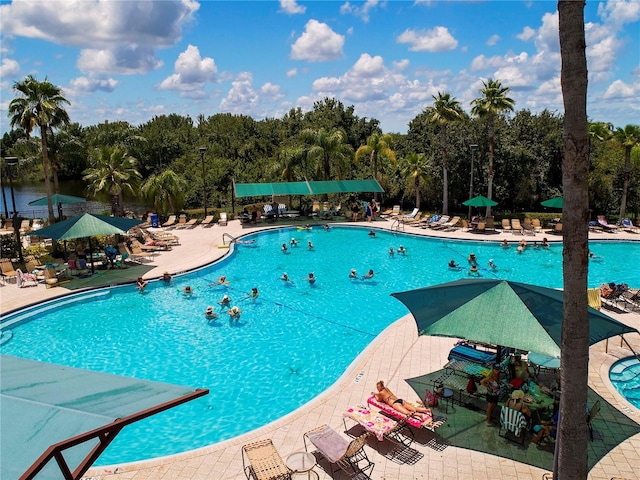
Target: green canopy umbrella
(555, 202)
(499, 312)
(59, 200)
(86, 225)
(480, 201)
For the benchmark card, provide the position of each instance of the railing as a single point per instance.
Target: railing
(231, 238)
(397, 225)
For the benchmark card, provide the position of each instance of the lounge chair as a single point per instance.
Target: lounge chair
(514, 422)
(191, 223)
(527, 227)
(413, 221)
(25, 226)
(607, 227)
(516, 227)
(440, 223)
(171, 221)
(350, 456)
(627, 226)
(431, 221)
(207, 222)
(429, 422)
(506, 225)
(450, 225)
(8, 271)
(25, 279)
(594, 298)
(261, 461)
(490, 225)
(537, 226)
(222, 221)
(480, 228)
(556, 230)
(392, 212)
(411, 215)
(53, 278)
(182, 221)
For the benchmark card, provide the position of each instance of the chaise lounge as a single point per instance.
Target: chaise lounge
(429, 422)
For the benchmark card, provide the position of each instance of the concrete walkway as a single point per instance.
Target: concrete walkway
(398, 353)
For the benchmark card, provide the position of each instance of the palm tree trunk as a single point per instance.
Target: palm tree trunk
(374, 164)
(445, 171)
(45, 172)
(572, 434)
(625, 184)
(54, 166)
(491, 172)
(417, 183)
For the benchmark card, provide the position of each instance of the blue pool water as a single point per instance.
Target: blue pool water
(290, 345)
(625, 376)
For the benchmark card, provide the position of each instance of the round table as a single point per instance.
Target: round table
(302, 462)
(446, 396)
(538, 361)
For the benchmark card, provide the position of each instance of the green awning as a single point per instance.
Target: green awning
(42, 404)
(306, 188)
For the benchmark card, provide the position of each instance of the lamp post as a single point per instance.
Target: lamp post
(204, 182)
(12, 162)
(473, 147)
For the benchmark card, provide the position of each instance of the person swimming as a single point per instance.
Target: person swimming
(372, 233)
(254, 294)
(311, 278)
(545, 242)
(293, 242)
(504, 243)
(210, 314)
(221, 281)
(391, 252)
(224, 301)
(141, 284)
(491, 264)
(234, 313)
(326, 226)
(284, 248)
(453, 264)
(473, 270)
(166, 277)
(353, 273)
(402, 250)
(285, 278)
(472, 258)
(368, 275)
(310, 245)
(187, 290)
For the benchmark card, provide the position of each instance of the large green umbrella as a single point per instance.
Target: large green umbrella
(58, 199)
(86, 225)
(480, 201)
(555, 202)
(499, 312)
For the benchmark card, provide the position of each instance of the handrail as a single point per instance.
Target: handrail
(395, 226)
(233, 239)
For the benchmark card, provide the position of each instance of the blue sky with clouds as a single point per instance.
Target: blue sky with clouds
(132, 60)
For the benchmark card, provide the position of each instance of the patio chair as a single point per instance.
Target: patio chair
(191, 223)
(25, 279)
(593, 411)
(516, 227)
(537, 226)
(413, 221)
(207, 222)
(450, 225)
(514, 422)
(527, 227)
(171, 221)
(350, 456)
(261, 461)
(7, 268)
(182, 221)
(410, 215)
(490, 225)
(438, 224)
(480, 228)
(606, 226)
(556, 230)
(627, 226)
(428, 422)
(25, 226)
(594, 299)
(222, 221)
(506, 225)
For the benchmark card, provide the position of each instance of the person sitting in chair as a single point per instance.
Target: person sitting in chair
(517, 404)
(387, 396)
(546, 428)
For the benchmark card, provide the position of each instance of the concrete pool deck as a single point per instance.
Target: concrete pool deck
(398, 353)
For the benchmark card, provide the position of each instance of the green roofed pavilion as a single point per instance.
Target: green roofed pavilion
(306, 188)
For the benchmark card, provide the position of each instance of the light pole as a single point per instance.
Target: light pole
(473, 147)
(204, 182)
(12, 162)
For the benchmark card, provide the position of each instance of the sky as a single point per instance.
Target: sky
(119, 60)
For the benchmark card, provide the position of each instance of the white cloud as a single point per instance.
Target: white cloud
(493, 39)
(362, 12)
(123, 35)
(85, 85)
(192, 72)
(620, 90)
(9, 68)
(437, 39)
(291, 7)
(318, 43)
(242, 98)
(619, 12)
(527, 34)
(292, 73)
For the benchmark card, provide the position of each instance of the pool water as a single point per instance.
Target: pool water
(289, 345)
(625, 376)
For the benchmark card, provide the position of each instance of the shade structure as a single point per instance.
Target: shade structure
(480, 201)
(306, 188)
(57, 198)
(499, 312)
(555, 202)
(86, 225)
(44, 404)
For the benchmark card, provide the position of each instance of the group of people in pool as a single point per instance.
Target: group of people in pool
(474, 270)
(522, 244)
(294, 243)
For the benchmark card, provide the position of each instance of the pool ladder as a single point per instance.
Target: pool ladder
(226, 236)
(397, 225)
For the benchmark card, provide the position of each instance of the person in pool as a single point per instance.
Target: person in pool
(310, 245)
(383, 394)
(453, 264)
(166, 277)
(285, 278)
(234, 313)
(210, 314)
(224, 301)
(372, 233)
(254, 294)
(472, 258)
(284, 248)
(353, 273)
(311, 278)
(391, 252)
(326, 226)
(293, 242)
(187, 290)
(402, 250)
(368, 275)
(141, 284)
(491, 264)
(545, 242)
(221, 281)
(504, 243)
(473, 270)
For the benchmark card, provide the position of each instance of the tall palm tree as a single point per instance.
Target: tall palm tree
(166, 190)
(572, 436)
(416, 167)
(328, 148)
(446, 109)
(39, 104)
(493, 102)
(378, 147)
(112, 171)
(628, 137)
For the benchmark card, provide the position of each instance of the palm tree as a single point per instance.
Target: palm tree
(493, 102)
(601, 131)
(378, 146)
(39, 104)
(572, 436)
(628, 137)
(416, 168)
(327, 148)
(166, 190)
(112, 171)
(446, 109)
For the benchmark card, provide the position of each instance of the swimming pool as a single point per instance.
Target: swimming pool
(625, 376)
(290, 345)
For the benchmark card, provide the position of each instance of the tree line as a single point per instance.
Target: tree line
(516, 155)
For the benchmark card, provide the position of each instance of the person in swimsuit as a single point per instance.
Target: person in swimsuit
(387, 396)
(492, 384)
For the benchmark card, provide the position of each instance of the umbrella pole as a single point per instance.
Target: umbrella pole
(91, 256)
(64, 251)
